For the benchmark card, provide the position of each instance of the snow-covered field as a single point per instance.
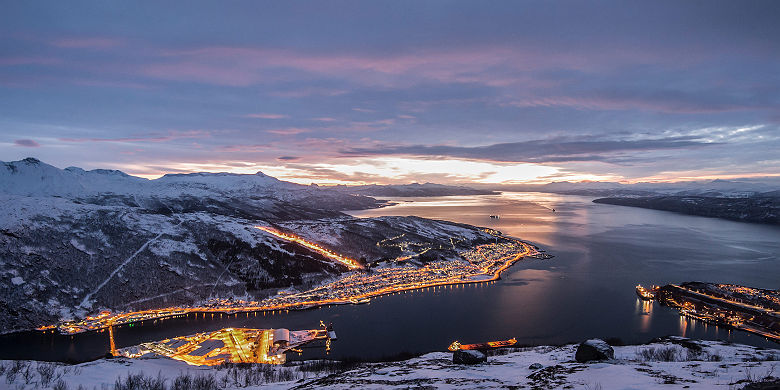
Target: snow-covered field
(667, 364)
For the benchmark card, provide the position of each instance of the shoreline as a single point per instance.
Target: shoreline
(118, 319)
(712, 310)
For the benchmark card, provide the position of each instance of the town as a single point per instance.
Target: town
(733, 306)
(482, 263)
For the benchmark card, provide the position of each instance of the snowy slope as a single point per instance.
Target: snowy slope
(716, 366)
(73, 241)
(31, 177)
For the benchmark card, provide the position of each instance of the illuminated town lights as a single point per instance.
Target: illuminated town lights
(350, 263)
(482, 264)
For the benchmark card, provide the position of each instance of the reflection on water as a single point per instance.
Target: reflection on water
(587, 290)
(601, 252)
(645, 313)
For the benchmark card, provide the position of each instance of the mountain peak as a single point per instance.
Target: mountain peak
(32, 177)
(31, 161)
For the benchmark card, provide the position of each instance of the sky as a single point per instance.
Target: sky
(396, 91)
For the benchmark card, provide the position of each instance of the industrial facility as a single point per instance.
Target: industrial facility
(232, 345)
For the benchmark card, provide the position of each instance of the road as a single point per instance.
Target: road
(399, 279)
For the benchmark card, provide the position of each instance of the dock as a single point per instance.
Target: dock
(232, 345)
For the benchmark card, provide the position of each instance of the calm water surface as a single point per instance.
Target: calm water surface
(587, 290)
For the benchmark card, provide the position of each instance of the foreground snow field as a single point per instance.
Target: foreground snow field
(668, 364)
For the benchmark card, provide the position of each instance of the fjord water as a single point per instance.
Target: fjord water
(587, 290)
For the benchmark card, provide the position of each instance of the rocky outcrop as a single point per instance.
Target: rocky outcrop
(770, 384)
(468, 357)
(594, 349)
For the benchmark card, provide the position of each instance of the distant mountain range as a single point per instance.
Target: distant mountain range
(745, 200)
(31, 177)
(412, 190)
(709, 188)
(75, 241)
(756, 208)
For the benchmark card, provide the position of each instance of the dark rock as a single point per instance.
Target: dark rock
(594, 349)
(771, 384)
(535, 366)
(468, 357)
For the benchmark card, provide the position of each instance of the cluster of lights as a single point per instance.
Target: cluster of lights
(481, 264)
(237, 346)
(350, 263)
(712, 313)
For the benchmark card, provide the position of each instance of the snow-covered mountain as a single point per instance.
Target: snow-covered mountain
(75, 241)
(710, 188)
(32, 177)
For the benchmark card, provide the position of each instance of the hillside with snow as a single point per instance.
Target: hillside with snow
(33, 178)
(73, 242)
(672, 363)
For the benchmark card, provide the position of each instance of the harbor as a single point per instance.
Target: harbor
(731, 306)
(232, 345)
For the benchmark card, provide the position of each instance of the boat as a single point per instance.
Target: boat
(359, 301)
(456, 345)
(644, 293)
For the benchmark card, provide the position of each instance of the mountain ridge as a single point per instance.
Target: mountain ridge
(73, 242)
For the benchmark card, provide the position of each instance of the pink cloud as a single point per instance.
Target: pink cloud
(499, 66)
(352, 126)
(246, 148)
(85, 43)
(312, 91)
(27, 143)
(10, 61)
(267, 116)
(601, 102)
(288, 131)
(110, 84)
(173, 135)
(466, 64)
(239, 66)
